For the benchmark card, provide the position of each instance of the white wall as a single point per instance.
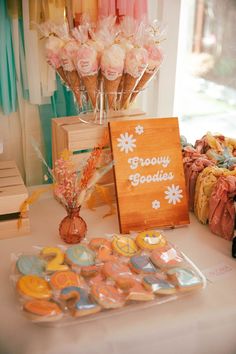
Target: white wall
(158, 99)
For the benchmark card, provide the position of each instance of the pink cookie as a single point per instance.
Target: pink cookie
(166, 257)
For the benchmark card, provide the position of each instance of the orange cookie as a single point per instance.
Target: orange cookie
(125, 283)
(43, 308)
(97, 279)
(34, 287)
(61, 280)
(166, 257)
(114, 270)
(90, 271)
(100, 242)
(107, 296)
(151, 239)
(103, 248)
(138, 293)
(104, 255)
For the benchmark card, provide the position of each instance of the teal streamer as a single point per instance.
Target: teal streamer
(23, 78)
(62, 105)
(62, 102)
(8, 94)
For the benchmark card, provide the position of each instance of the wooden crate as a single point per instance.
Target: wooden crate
(12, 194)
(80, 138)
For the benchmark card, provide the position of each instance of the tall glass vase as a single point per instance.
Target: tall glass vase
(73, 228)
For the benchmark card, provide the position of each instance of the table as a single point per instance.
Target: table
(203, 322)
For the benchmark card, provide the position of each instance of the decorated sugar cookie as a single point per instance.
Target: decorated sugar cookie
(43, 308)
(100, 242)
(103, 248)
(107, 296)
(138, 293)
(80, 256)
(166, 257)
(104, 256)
(83, 305)
(184, 279)
(30, 264)
(99, 278)
(149, 240)
(57, 259)
(124, 246)
(158, 286)
(34, 287)
(90, 271)
(142, 264)
(114, 270)
(125, 283)
(61, 280)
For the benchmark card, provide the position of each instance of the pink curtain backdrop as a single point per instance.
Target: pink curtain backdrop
(102, 8)
(132, 8)
(106, 8)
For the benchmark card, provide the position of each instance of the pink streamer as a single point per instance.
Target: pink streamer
(140, 10)
(130, 8)
(121, 6)
(133, 8)
(106, 8)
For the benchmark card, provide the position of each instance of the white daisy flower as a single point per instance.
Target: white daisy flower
(139, 129)
(156, 204)
(173, 194)
(126, 142)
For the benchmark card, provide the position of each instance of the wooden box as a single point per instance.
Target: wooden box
(12, 194)
(80, 138)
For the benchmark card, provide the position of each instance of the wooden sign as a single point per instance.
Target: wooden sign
(149, 176)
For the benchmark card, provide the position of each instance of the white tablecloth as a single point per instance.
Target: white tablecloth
(204, 322)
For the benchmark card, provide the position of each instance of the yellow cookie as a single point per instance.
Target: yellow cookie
(34, 287)
(56, 259)
(125, 246)
(150, 240)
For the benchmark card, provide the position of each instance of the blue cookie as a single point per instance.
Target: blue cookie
(82, 305)
(80, 255)
(158, 286)
(27, 265)
(185, 279)
(142, 264)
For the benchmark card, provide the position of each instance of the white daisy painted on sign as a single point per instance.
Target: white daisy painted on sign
(156, 204)
(139, 129)
(126, 142)
(173, 194)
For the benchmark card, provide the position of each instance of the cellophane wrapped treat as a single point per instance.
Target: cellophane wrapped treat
(135, 65)
(53, 55)
(68, 55)
(59, 285)
(136, 62)
(153, 37)
(210, 172)
(86, 61)
(116, 59)
(112, 66)
(221, 207)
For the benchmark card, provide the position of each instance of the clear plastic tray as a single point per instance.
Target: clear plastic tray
(67, 318)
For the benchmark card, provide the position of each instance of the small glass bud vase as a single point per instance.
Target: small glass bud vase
(73, 228)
